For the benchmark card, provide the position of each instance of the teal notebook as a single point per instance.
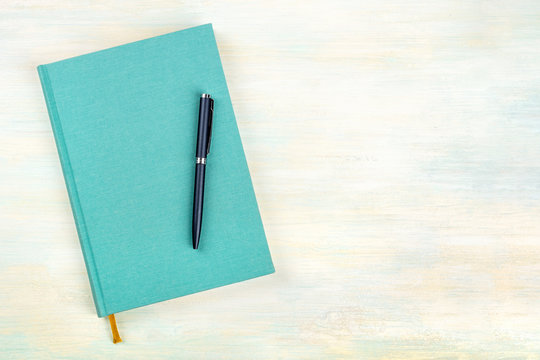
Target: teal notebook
(124, 121)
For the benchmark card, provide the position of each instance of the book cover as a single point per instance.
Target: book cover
(124, 121)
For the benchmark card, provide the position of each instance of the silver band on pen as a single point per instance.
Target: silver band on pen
(201, 160)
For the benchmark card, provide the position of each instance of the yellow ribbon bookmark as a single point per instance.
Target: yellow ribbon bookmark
(114, 328)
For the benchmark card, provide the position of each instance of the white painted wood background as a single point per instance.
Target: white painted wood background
(395, 152)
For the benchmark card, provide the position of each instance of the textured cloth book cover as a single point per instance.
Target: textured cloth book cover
(125, 124)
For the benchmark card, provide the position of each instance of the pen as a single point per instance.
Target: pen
(204, 133)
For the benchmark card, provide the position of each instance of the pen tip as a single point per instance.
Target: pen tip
(196, 235)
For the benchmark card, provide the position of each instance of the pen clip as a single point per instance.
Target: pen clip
(210, 120)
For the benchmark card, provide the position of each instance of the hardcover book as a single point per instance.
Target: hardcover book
(125, 124)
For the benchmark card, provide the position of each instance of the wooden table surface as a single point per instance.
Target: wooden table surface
(395, 151)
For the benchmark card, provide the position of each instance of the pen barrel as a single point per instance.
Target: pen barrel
(198, 201)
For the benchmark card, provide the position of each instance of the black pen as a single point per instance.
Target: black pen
(204, 133)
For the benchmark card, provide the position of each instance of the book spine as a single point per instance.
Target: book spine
(72, 191)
